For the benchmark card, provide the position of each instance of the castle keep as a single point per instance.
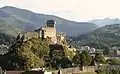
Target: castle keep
(48, 31)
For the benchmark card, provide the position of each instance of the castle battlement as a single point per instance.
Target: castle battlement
(48, 31)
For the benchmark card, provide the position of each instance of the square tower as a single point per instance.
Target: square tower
(49, 31)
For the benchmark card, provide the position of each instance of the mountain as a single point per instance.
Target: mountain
(29, 21)
(8, 29)
(103, 37)
(106, 21)
(7, 32)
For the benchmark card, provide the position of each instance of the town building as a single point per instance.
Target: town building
(114, 52)
(85, 48)
(91, 50)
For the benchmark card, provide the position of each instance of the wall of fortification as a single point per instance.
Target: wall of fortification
(74, 70)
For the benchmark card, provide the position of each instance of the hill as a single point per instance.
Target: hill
(35, 53)
(103, 37)
(29, 21)
(7, 33)
(105, 21)
(8, 29)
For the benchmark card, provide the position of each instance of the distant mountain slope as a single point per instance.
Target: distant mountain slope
(7, 33)
(8, 29)
(106, 21)
(30, 21)
(103, 37)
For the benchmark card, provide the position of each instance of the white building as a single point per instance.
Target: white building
(85, 48)
(92, 50)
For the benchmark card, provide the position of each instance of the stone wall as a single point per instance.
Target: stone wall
(89, 69)
(30, 35)
(109, 67)
(13, 72)
(74, 70)
(22, 72)
(50, 32)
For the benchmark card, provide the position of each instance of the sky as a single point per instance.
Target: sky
(76, 10)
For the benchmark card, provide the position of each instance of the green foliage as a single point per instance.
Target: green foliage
(59, 57)
(82, 59)
(69, 53)
(57, 62)
(30, 54)
(85, 58)
(88, 57)
(99, 58)
(8, 29)
(76, 60)
(106, 52)
(26, 55)
(30, 60)
(113, 61)
(6, 39)
(108, 71)
(56, 51)
(101, 38)
(65, 62)
(36, 49)
(7, 33)
(39, 46)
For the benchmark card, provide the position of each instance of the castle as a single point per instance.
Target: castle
(48, 31)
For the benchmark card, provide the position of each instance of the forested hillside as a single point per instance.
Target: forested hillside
(36, 53)
(103, 37)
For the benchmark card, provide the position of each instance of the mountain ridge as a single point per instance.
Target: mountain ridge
(29, 21)
(105, 21)
(102, 38)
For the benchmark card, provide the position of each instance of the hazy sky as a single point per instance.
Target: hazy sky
(79, 10)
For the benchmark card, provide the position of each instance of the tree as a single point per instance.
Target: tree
(25, 55)
(113, 61)
(88, 57)
(56, 54)
(106, 52)
(76, 60)
(82, 59)
(65, 62)
(31, 61)
(99, 58)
